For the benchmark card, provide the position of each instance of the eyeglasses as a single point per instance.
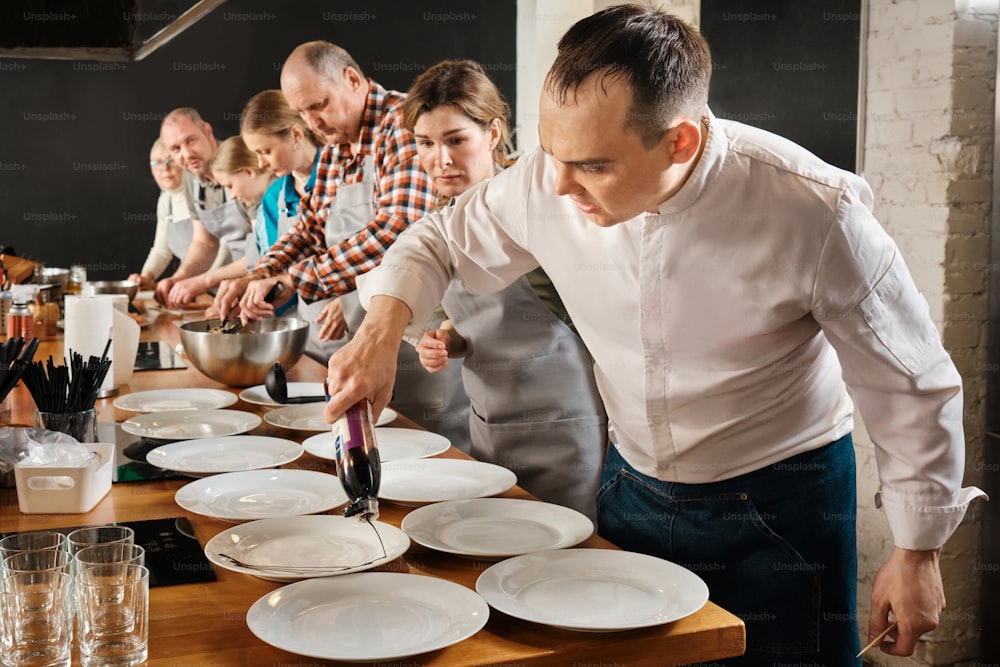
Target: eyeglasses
(166, 162)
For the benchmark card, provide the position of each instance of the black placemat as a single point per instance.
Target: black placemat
(156, 355)
(173, 554)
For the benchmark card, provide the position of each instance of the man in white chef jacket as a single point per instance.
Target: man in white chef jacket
(730, 287)
(217, 218)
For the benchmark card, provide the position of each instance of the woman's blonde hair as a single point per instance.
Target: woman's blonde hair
(268, 112)
(233, 156)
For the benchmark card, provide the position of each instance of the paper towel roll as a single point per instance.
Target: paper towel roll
(89, 325)
(125, 345)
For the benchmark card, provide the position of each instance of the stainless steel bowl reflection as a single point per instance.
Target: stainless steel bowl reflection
(128, 287)
(242, 359)
(56, 276)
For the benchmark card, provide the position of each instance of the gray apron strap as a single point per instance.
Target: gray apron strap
(224, 222)
(179, 235)
(535, 407)
(250, 252)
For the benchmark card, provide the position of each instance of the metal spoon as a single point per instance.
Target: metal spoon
(277, 388)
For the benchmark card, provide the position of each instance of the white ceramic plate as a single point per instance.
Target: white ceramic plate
(342, 544)
(188, 424)
(370, 616)
(496, 527)
(421, 481)
(212, 456)
(168, 400)
(309, 417)
(393, 444)
(262, 494)
(258, 394)
(594, 590)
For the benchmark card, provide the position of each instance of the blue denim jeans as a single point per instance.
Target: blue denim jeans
(777, 547)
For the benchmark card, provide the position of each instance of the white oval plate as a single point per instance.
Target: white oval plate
(262, 494)
(370, 616)
(309, 417)
(188, 424)
(392, 443)
(593, 590)
(496, 527)
(258, 394)
(307, 541)
(421, 481)
(212, 456)
(169, 400)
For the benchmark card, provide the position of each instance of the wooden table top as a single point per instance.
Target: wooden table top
(205, 623)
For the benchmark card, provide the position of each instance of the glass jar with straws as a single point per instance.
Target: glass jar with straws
(65, 395)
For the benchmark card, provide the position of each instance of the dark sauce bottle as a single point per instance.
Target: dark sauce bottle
(358, 466)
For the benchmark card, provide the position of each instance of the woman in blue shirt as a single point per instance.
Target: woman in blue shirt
(286, 147)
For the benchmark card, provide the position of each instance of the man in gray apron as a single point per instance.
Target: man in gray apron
(215, 218)
(369, 188)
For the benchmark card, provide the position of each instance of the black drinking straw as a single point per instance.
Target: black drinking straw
(57, 389)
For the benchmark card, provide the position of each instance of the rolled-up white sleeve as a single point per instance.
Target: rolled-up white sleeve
(479, 239)
(904, 382)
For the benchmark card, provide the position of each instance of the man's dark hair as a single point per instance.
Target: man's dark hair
(664, 61)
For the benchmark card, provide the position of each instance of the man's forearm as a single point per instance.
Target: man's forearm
(385, 321)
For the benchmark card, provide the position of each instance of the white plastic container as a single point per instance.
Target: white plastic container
(61, 490)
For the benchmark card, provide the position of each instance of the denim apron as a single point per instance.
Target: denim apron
(224, 222)
(534, 405)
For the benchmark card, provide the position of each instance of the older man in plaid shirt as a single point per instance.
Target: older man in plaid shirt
(369, 187)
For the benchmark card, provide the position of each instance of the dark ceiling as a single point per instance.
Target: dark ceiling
(94, 29)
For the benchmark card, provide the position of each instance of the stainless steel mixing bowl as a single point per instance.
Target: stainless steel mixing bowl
(243, 358)
(128, 287)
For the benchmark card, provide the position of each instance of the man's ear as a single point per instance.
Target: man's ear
(352, 77)
(684, 141)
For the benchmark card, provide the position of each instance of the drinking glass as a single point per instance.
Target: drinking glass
(110, 553)
(91, 535)
(36, 618)
(39, 560)
(113, 614)
(81, 425)
(32, 541)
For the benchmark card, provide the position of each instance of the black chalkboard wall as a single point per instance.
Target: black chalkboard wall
(75, 186)
(790, 67)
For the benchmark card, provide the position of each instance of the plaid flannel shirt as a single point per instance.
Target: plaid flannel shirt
(403, 195)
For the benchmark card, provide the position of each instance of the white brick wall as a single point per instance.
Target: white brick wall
(928, 153)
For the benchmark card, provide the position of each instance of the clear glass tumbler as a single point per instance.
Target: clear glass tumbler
(80, 425)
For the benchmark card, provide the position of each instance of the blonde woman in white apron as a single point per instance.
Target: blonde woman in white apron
(534, 403)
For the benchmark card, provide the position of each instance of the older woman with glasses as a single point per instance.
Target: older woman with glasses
(173, 222)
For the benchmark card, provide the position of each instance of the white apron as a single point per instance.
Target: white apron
(436, 401)
(534, 403)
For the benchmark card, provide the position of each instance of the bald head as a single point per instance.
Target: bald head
(325, 86)
(189, 139)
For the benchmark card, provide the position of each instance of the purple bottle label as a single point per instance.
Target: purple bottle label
(350, 431)
(355, 417)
